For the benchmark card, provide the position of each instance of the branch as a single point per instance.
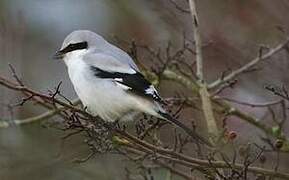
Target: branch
(253, 105)
(41, 117)
(170, 75)
(11, 84)
(198, 41)
(158, 152)
(174, 170)
(249, 65)
(7, 83)
(250, 119)
(203, 91)
(189, 161)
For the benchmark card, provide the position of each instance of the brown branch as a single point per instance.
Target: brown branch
(249, 65)
(13, 71)
(170, 75)
(5, 82)
(246, 117)
(160, 152)
(192, 162)
(281, 92)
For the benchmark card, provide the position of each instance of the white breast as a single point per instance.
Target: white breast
(102, 97)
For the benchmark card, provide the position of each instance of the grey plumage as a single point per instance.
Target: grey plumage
(107, 97)
(108, 82)
(100, 46)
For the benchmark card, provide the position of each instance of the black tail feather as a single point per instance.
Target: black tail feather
(189, 131)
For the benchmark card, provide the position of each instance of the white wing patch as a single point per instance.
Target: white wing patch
(122, 86)
(118, 79)
(152, 91)
(134, 83)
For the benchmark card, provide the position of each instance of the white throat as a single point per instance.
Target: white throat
(74, 56)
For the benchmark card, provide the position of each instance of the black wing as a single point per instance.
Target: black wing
(135, 83)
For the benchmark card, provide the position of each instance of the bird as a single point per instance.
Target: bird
(108, 82)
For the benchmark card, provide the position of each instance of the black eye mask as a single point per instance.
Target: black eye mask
(73, 47)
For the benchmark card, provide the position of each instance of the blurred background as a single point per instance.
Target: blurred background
(32, 30)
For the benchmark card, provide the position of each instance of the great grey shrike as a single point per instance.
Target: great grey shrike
(108, 82)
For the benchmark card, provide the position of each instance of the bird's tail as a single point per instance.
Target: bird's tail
(189, 131)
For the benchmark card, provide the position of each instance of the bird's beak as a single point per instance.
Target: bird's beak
(58, 55)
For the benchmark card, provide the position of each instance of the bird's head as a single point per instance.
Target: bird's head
(79, 41)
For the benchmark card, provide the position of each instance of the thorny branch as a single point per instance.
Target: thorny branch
(129, 141)
(145, 145)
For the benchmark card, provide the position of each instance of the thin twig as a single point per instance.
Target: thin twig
(5, 82)
(258, 105)
(188, 161)
(160, 152)
(171, 75)
(249, 65)
(174, 170)
(41, 117)
(13, 71)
